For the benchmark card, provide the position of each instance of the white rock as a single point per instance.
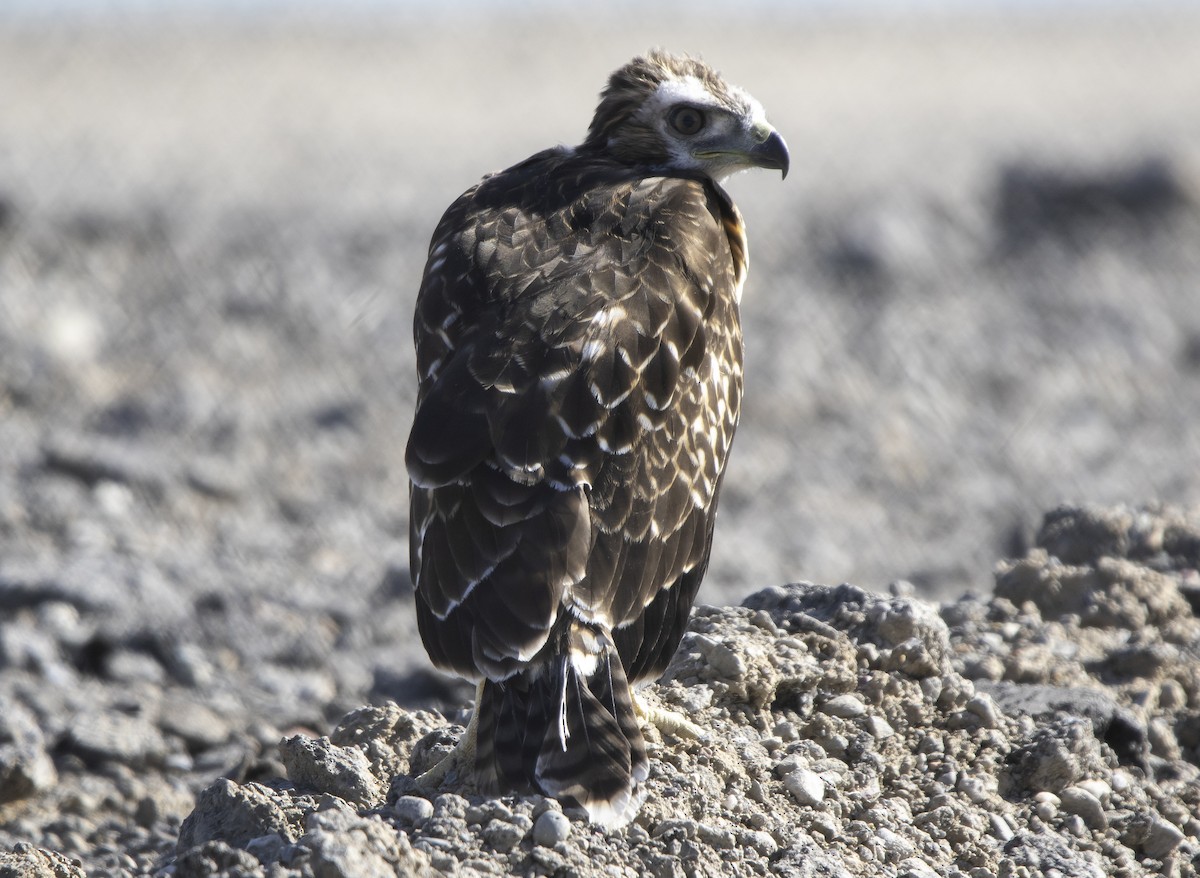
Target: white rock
(1162, 838)
(878, 727)
(551, 828)
(846, 706)
(806, 786)
(1076, 800)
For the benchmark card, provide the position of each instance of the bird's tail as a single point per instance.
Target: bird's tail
(568, 729)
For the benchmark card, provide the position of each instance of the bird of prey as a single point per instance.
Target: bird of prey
(579, 355)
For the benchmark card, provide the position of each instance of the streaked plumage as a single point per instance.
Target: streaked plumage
(580, 363)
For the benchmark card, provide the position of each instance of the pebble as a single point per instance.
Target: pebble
(1000, 828)
(1046, 811)
(806, 786)
(878, 727)
(758, 840)
(716, 836)
(973, 788)
(116, 737)
(845, 706)
(413, 810)
(931, 688)
(725, 661)
(1077, 800)
(1098, 788)
(676, 828)
(1121, 780)
(1162, 838)
(984, 707)
(551, 828)
(501, 835)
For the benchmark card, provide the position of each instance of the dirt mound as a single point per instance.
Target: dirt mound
(1052, 728)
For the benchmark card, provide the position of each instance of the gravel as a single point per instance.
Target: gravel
(795, 774)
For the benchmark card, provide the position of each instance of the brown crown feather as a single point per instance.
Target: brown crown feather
(615, 127)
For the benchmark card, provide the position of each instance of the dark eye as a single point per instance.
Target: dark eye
(687, 120)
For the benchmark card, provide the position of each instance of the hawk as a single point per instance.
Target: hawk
(579, 354)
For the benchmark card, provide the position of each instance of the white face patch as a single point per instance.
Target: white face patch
(688, 90)
(729, 124)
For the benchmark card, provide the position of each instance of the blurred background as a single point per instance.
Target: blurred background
(975, 296)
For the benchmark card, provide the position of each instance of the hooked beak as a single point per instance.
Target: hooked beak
(771, 153)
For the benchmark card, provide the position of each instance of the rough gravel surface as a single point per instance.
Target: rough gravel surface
(1051, 728)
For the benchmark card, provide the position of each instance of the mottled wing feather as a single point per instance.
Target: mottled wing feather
(579, 348)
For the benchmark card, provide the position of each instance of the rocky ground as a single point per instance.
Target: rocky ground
(1051, 728)
(972, 300)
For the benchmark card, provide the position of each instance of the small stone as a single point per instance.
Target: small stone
(1171, 695)
(1076, 800)
(931, 688)
(319, 765)
(1098, 788)
(1045, 811)
(806, 786)
(1000, 828)
(412, 810)
(974, 789)
(502, 836)
(716, 836)
(985, 708)
(116, 737)
(895, 845)
(675, 829)
(786, 731)
(725, 661)
(758, 840)
(1162, 838)
(1121, 781)
(878, 727)
(845, 706)
(551, 828)
(267, 848)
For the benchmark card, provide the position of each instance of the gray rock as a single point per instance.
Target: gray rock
(110, 736)
(412, 810)
(26, 769)
(318, 764)
(846, 706)
(343, 844)
(806, 786)
(199, 726)
(1077, 800)
(216, 858)
(92, 459)
(502, 835)
(1162, 837)
(235, 814)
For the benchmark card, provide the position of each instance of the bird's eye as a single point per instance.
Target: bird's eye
(687, 120)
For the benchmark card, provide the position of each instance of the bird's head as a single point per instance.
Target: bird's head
(677, 113)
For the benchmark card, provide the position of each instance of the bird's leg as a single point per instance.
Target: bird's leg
(667, 720)
(462, 755)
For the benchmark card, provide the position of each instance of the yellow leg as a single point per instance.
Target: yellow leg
(461, 757)
(668, 721)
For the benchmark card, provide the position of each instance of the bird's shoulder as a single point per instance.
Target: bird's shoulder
(570, 196)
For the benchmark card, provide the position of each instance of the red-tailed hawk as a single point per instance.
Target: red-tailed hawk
(580, 361)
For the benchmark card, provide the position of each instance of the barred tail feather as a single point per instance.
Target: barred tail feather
(569, 730)
(595, 754)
